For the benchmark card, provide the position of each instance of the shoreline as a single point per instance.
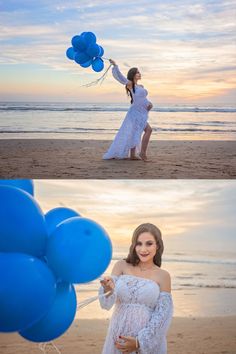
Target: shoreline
(84, 136)
(188, 303)
(61, 158)
(215, 335)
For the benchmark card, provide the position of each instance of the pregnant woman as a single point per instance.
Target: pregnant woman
(141, 292)
(127, 142)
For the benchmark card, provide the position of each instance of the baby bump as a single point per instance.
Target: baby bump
(129, 319)
(139, 108)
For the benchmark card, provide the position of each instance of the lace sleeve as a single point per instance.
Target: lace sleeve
(151, 337)
(106, 302)
(118, 75)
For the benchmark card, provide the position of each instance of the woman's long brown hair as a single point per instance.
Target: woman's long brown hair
(130, 76)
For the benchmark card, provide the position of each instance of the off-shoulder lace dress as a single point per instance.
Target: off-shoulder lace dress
(141, 310)
(130, 132)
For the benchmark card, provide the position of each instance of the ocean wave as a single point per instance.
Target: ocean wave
(94, 108)
(206, 123)
(193, 130)
(191, 260)
(202, 261)
(208, 286)
(175, 286)
(112, 130)
(57, 131)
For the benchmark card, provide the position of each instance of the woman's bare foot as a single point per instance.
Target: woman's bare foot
(144, 157)
(135, 158)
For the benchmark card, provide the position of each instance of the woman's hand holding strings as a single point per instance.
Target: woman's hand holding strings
(108, 284)
(112, 62)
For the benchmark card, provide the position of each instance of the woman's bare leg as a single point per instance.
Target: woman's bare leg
(145, 141)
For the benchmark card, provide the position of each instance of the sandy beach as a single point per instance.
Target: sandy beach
(214, 335)
(44, 158)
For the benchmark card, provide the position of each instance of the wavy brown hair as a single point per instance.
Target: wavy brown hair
(130, 76)
(156, 233)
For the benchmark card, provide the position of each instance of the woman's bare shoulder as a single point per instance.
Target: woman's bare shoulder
(119, 267)
(164, 280)
(164, 272)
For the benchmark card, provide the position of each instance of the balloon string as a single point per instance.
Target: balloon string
(42, 347)
(91, 299)
(101, 79)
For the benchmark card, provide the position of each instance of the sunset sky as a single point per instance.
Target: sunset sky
(201, 213)
(184, 49)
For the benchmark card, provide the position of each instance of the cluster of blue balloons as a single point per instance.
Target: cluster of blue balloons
(86, 52)
(41, 256)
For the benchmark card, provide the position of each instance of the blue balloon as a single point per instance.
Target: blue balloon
(79, 250)
(87, 64)
(98, 64)
(55, 216)
(82, 58)
(27, 291)
(101, 51)
(79, 43)
(70, 53)
(89, 38)
(93, 50)
(58, 319)
(25, 184)
(22, 223)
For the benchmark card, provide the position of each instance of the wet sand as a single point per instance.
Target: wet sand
(61, 158)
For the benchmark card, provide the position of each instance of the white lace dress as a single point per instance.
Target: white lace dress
(141, 310)
(130, 132)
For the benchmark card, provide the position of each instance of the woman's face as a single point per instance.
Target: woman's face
(137, 75)
(146, 247)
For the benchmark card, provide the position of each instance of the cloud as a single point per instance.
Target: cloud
(219, 69)
(174, 41)
(179, 208)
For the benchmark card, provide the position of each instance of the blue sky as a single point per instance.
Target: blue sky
(184, 49)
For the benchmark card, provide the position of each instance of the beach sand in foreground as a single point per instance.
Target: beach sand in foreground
(214, 335)
(44, 158)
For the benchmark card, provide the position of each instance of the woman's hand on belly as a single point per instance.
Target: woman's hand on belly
(126, 344)
(150, 106)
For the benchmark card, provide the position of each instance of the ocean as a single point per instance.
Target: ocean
(202, 286)
(101, 121)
